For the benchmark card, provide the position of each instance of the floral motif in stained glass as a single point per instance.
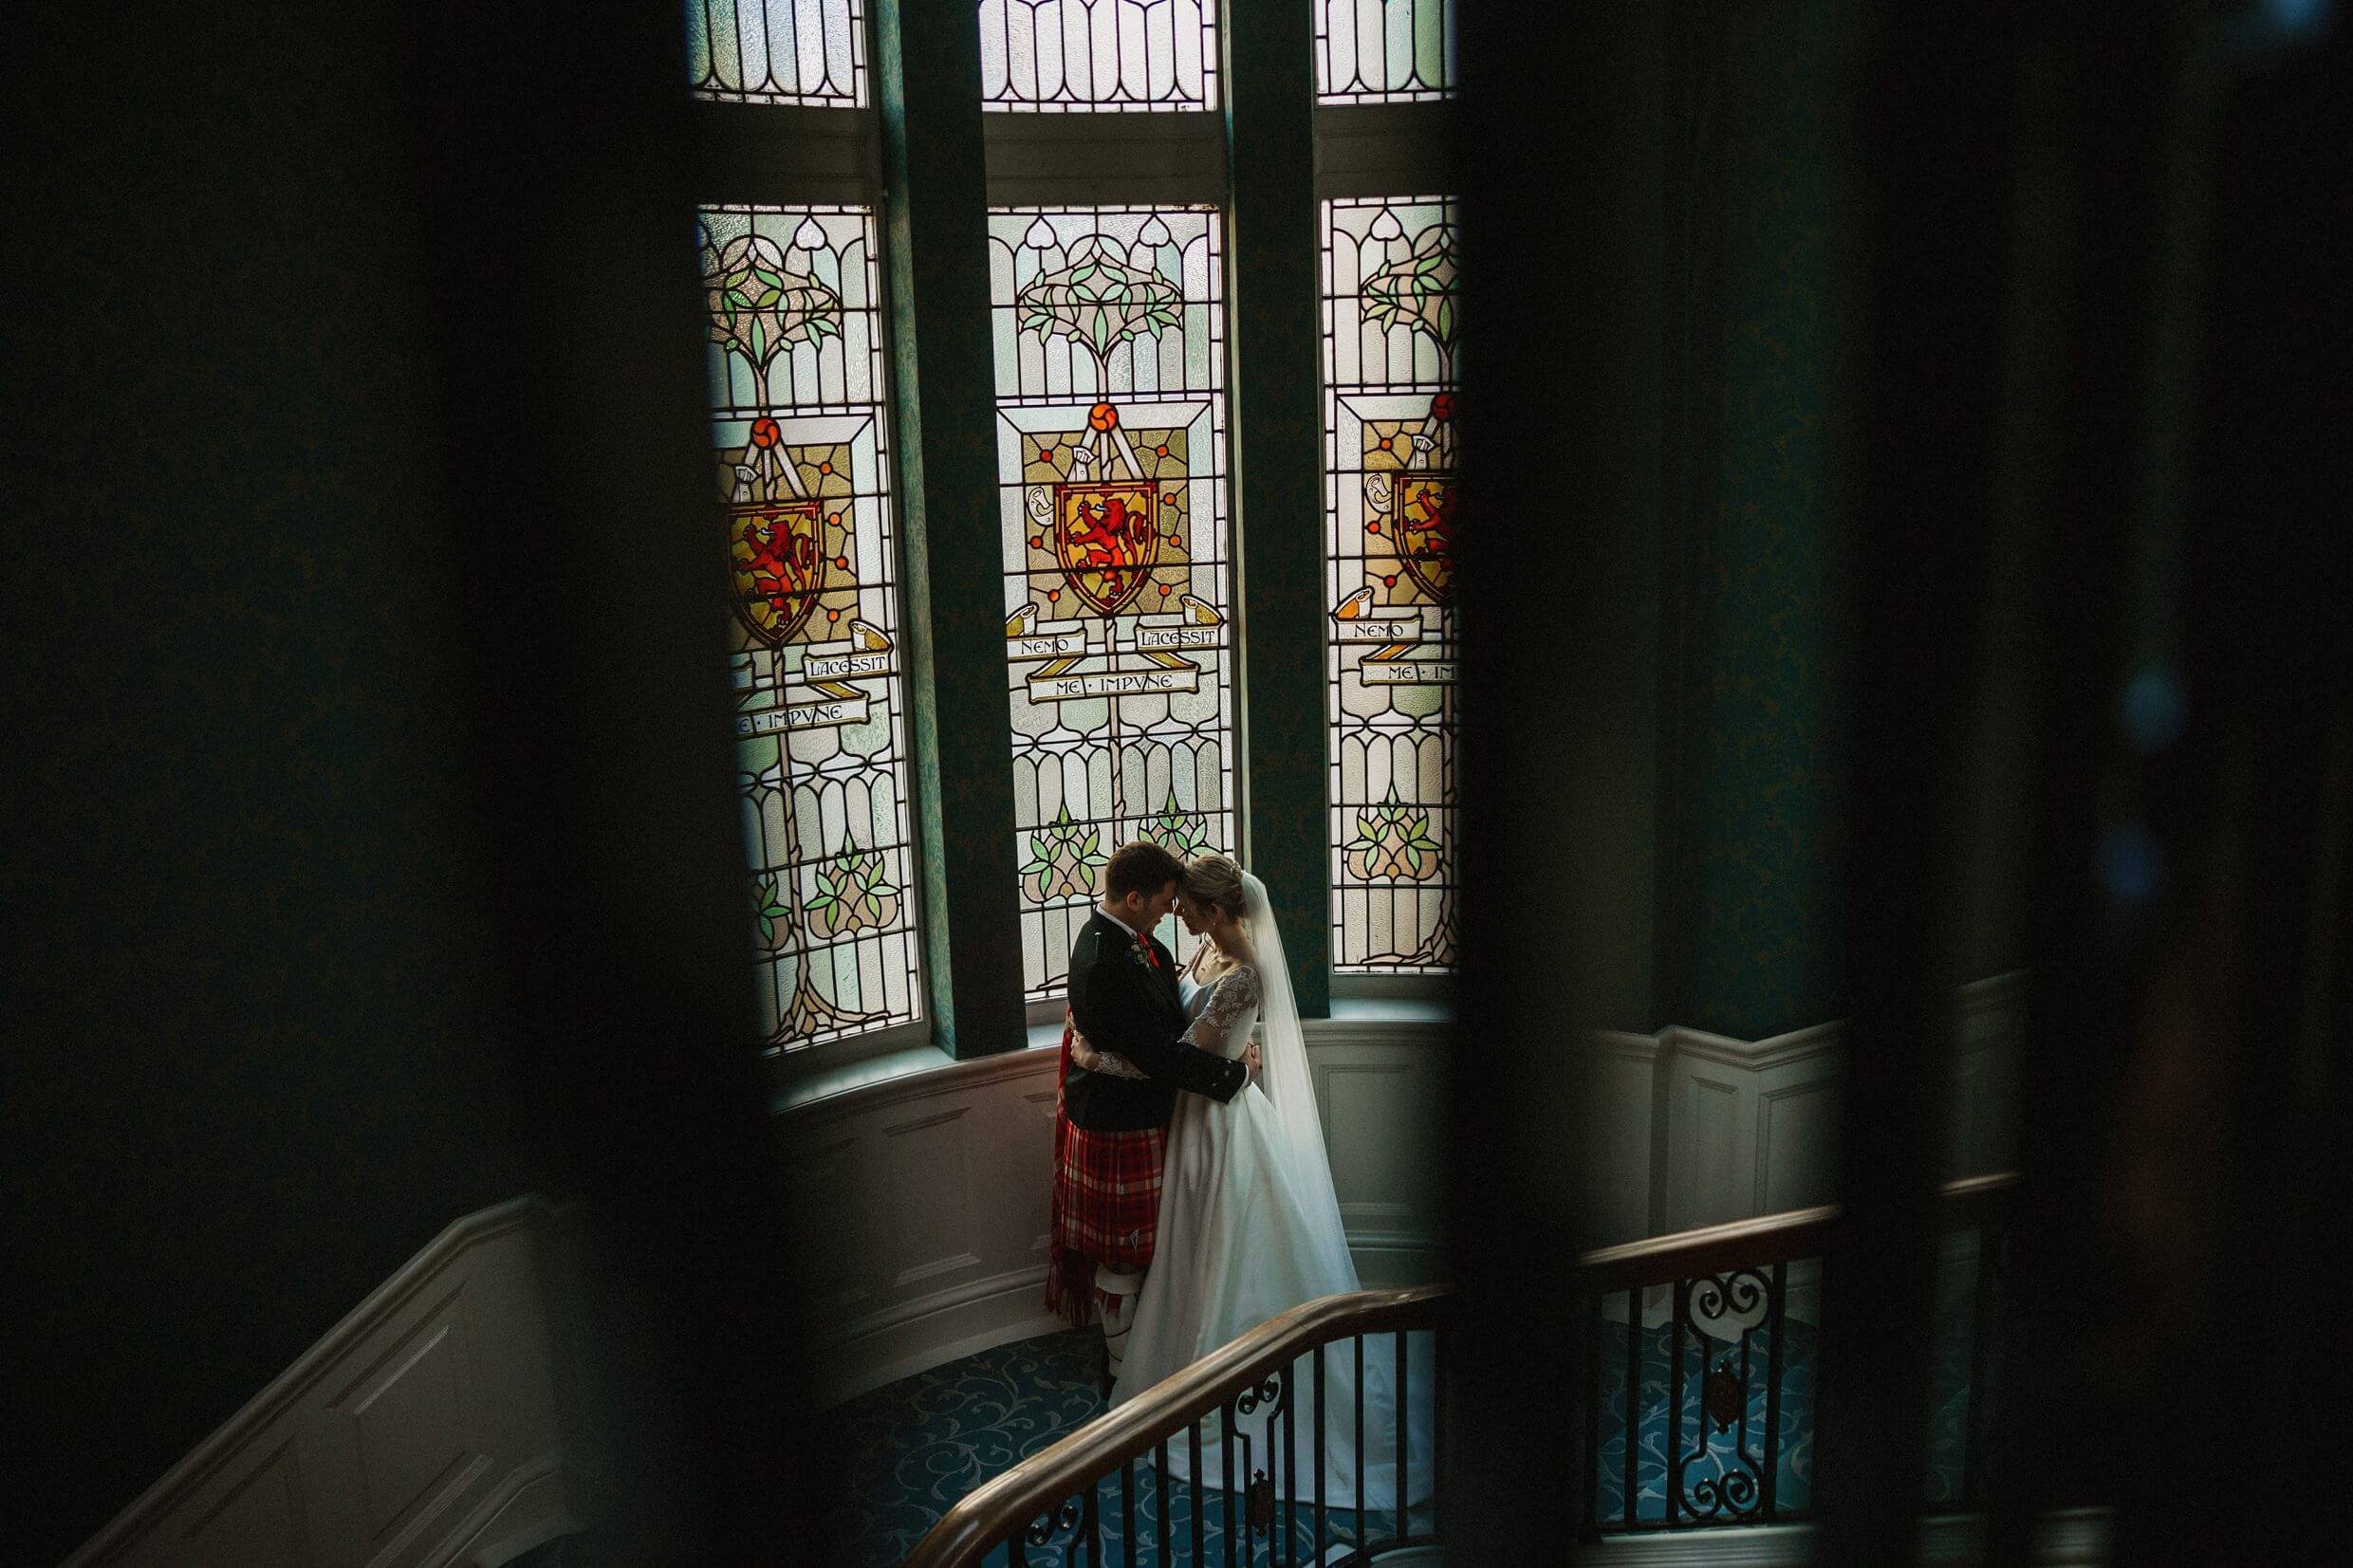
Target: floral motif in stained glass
(802, 449)
(1109, 329)
(1390, 443)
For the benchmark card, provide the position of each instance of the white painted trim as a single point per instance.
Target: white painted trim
(1007, 1307)
(938, 1302)
(821, 1091)
(1755, 1056)
(1422, 1034)
(2077, 1539)
(1393, 1241)
(870, 1378)
(2007, 990)
(527, 1510)
(825, 1098)
(1995, 993)
(277, 1425)
(290, 1386)
(988, 1263)
(1642, 1048)
(1393, 1260)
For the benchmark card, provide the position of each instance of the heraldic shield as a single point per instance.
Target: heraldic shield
(1426, 531)
(1105, 538)
(779, 569)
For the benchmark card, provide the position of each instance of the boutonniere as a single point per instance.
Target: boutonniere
(1145, 954)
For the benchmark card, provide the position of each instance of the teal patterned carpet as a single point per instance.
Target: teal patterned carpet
(919, 1444)
(1724, 1467)
(911, 1449)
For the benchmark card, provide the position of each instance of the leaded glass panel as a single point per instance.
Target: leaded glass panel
(804, 472)
(778, 51)
(1383, 51)
(1389, 435)
(1109, 330)
(1064, 55)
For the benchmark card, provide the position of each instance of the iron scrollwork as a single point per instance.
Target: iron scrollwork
(1052, 1523)
(1735, 1493)
(1739, 1296)
(1266, 1397)
(1269, 1392)
(1730, 1306)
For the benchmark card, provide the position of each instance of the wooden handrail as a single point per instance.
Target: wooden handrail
(998, 1508)
(1962, 1205)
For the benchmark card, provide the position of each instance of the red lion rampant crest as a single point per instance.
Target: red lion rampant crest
(779, 566)
(1426, 531)
(1105, 540)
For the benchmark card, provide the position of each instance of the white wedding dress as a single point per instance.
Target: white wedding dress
(1250, 1227)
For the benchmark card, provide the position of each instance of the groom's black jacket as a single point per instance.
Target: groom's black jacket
(1122, 1004)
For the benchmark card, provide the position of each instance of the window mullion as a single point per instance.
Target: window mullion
(1274, 340)
(927, 82)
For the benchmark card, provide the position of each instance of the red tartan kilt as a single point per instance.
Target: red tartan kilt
(1107, 1196)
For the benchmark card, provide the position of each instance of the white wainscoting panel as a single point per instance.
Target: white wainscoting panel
(935, 1185)
(1378, 1087)
(423, 1429)
(2076, 1539)
(1627, 1142)
(931, 1193)
(1982, 1133)
(1751, 1126)
(1747, 1123)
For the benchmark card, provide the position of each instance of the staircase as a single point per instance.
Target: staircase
(1696, 1412)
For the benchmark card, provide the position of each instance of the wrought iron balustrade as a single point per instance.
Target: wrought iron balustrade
(1079, 1498)
(1707, 1369)
(1693, 1357)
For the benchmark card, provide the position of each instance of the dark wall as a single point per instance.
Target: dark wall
(1760, 196)
(371, 855)
(261, 1024)
(254, 1059)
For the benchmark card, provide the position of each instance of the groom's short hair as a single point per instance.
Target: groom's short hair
(1140, 867)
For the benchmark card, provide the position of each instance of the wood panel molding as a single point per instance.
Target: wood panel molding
(914, 1294)
(421, 1429)
(424, 1428)
(1755, 1056)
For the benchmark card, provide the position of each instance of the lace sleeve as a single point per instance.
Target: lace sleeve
(1111, 1062)
(1236, 994)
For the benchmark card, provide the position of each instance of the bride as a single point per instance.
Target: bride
(1249, 1226)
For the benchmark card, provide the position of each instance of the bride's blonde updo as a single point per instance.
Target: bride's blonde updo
(1215, 881)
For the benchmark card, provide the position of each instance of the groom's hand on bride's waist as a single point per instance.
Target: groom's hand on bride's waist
(1087, 1055)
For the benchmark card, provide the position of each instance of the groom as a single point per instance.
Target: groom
(1111, 1128)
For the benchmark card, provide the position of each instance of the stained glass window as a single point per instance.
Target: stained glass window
(1109, 330)
(1383, 51)
(778, 51)
(1389, 437)
(1098, 54)
(804, 466)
